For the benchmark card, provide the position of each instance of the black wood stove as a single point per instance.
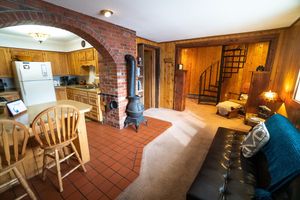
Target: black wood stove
(135, 108)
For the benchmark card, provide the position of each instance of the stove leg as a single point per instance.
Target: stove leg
(137, 128)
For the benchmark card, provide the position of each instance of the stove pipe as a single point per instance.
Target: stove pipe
(131, 77)
(135, 108)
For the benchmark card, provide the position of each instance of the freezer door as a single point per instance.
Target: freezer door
(37, 92)
(32, 71)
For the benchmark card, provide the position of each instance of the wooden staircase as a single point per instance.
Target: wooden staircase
(211, 79)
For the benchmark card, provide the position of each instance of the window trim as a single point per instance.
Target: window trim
(297, 89)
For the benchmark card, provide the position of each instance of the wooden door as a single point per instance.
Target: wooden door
(149, 73)
(5, 63)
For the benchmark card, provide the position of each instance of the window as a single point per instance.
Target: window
(297, 89)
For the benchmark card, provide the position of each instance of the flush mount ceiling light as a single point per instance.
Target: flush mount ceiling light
(40, 37)
(106, 13)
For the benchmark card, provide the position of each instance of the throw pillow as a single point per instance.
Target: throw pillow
(255, 140)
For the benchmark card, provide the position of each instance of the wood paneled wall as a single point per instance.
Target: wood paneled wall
(168, 57)
(195, 61)
(240, 82)
(286, 69)
(145, 41)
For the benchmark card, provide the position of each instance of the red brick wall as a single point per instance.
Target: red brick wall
(112, 41)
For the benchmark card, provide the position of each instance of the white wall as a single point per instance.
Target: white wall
(15, 41)
(76, 45)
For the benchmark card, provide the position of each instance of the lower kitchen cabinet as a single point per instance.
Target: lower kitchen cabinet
(61, 93)
(88, 97)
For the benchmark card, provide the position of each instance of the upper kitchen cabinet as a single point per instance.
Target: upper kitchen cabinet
(71, 63)
(59, 62)
(78, 60)
(5, 63)
(27, 55)
(37, 56)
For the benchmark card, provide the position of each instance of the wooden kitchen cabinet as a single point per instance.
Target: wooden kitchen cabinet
(16, 54)
(27, 55)
(91, 98)
(37, 56)
(85, 57)
(61, 93)
(5, 63)
(59, 62)
(70, 94)
(90, 54)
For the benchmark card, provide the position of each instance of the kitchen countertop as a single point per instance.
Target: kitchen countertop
(76, 87)
(8, 91)
(32, 111)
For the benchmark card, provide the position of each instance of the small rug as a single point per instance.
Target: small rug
(115, 163)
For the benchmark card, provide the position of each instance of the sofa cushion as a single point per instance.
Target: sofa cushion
(255, 140)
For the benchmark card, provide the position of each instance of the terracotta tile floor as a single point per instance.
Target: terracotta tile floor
(115, 163)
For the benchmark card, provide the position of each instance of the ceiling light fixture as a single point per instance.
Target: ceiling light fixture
(40, 37)
(106, 13)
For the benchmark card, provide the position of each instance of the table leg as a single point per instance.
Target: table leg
(81, 142)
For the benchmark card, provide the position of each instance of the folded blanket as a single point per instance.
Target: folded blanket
(226, 106)
(282, 152)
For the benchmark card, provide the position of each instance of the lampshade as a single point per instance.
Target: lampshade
(40, 37)
(270, 96)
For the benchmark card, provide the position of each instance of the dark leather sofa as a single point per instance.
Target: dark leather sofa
(226, 174)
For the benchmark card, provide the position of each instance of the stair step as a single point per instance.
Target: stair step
(207, 100)
(228, 72)
(232, 67)
(228, 56)
(215, 86)
(209, 96)
(235, 49)
(235, 61)
(210, 91)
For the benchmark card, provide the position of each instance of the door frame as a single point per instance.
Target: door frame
(157, 69)
(272, 38)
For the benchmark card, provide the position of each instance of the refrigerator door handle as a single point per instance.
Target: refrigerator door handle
(24, 91)
(20, 72)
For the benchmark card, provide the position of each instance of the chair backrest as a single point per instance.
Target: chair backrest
(13, 141)
(56, 125)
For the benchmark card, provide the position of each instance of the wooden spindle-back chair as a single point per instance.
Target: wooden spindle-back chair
(55, 129)
(13, 141)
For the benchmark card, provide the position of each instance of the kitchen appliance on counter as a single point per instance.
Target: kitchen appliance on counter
(73, 81)
(34, 80)
(2, 88)
(64, 80)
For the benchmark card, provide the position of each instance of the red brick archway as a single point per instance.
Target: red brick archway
(112, 42)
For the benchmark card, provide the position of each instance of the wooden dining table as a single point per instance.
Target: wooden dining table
(32, 164)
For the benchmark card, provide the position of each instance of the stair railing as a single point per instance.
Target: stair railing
(205, 90)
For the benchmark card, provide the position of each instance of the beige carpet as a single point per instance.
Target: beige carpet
(171, 161)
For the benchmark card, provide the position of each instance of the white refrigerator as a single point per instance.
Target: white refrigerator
(34, 80)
